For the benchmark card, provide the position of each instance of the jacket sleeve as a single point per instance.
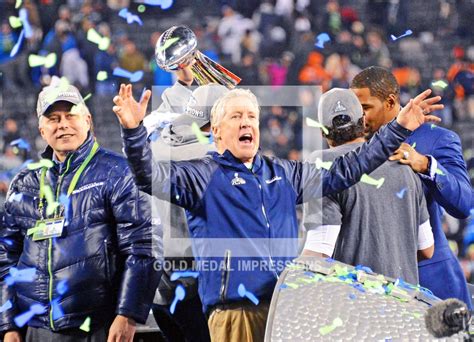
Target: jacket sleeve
(11, 246)
(182, 183)
(451, 186)
(310, 182)
(132, 214)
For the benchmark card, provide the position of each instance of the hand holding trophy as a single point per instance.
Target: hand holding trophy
(177, 48)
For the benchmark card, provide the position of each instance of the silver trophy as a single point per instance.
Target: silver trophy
(177, 48)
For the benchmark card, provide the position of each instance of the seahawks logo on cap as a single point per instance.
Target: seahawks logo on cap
(339, 107)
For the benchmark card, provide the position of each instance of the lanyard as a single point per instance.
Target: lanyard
(74, 180)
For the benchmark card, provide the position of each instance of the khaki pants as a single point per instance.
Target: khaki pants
(239, 322)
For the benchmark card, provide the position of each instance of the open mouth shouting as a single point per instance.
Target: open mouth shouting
(246, 139)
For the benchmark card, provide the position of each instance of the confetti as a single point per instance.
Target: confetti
(179, 294)
(65, 201)
(321, 39)
(25, 275)
(168, 43)
(141, 8)
(352, 296)
(21, 143)
(433, 126)
(325, 165)
(401, 193)
(57, 310)
(62, 287)
(86, 326)
(407, 33)
(15, 197)
(132, 76)
(7, 306)
(372, 181)
(42, 163)
(414, 144)
(7, 241)
(18, 3)
(202, 139)
(336, 323)
(63, 85)
(313, 123)
(244, 293)
(35, 309)
(439, 84)
(177, 275)
(94, 37)
(101, 75)
(164, 4)
(292, 285)
(439, 172)
(15, 22)
(49, 61)
(130, 17)
(23, 14)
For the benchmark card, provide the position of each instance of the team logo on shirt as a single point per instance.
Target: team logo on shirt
(237, 180)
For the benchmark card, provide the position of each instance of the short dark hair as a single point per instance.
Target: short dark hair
(346, 133)
(380, 81)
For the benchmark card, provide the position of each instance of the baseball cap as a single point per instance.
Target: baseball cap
(337, 102)
(56, 92)
(198, 108)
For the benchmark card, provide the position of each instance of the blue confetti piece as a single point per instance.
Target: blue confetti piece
(164, 4)
(358, 287)
(7, 241)
(21, 143)
(24, 275)
(57, 310)
(65, 200)
(130, 17)
(62, 287)
(352, 296)
(283, 286)
(154, 136)
(35, 309)
(177, 275)
(244, 293)
(329, 260)
(17, 46)
(407, 33)
(401, 193)
(321, 39)
(366, 269)
(132, 76)
(23, 15)
(7, 306)
(179, 294)
(211, 138)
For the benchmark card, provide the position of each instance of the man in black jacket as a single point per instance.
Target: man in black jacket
(79, 230)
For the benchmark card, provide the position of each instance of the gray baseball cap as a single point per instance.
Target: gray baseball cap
(198, 108)
(336, 102)
(55, 93)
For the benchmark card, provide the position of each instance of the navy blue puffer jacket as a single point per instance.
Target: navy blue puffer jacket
(104, 253)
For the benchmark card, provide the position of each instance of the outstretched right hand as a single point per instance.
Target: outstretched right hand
(415, 113)
(130, 112)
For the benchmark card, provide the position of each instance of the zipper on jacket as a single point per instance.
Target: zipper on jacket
(225, 276)
(272, 263)
(50, 250)
(107, 271)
